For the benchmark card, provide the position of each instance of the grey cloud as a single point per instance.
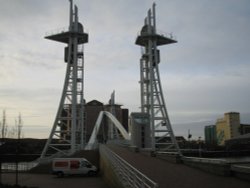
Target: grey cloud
(201, 73)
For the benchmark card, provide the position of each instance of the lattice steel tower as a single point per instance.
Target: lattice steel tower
(152, 99)
(68, 132)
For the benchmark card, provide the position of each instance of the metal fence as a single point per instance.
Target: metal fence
(22, 166)
(127, 174)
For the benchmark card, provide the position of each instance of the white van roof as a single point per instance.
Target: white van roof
(70, 158)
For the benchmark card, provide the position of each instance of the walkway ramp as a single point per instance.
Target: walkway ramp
(176, 175)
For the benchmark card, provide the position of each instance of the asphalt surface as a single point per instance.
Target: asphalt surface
(50, 181)
(170, 175)
(167, 175)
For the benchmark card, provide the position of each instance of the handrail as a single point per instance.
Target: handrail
(205, 160)
(161, 33)
(22, 166)
(57, 31)
(128, 175)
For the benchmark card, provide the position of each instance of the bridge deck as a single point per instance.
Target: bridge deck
(176, 175)
(49, 181)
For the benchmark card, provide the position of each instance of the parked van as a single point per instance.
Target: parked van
(73, 166)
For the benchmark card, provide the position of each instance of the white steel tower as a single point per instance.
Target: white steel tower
(112, 130)
(152, 99)
(68, 132)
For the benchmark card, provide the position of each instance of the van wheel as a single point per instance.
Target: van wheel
(91, 173)
(60, 174)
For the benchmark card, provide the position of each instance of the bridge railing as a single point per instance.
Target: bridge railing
(22, 166)
(127, 174)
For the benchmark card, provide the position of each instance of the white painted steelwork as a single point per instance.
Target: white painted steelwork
(68, 132)
(112, 131)
(152, 99)
(93, 139)
(126, 173)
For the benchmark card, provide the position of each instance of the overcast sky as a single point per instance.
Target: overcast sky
(204, 75)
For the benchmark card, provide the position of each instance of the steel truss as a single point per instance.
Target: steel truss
(68, 132)
(152, 99)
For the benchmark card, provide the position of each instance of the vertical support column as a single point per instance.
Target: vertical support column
(112, 130)
(142, 80)
(74, 86)
(68, 128)
(152, 99)
(151, 80)
(70, 15)
(82, 105)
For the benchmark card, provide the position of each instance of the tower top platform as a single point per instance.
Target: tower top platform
(147, 33)
(64, 35)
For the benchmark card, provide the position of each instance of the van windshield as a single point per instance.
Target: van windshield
(86, 164)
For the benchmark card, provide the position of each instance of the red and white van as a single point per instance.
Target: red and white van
(73, 166)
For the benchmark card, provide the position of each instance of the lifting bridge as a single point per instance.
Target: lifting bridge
(68, 133)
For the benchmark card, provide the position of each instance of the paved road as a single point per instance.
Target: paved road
(49, 181)
(167, 175)
(176, 175)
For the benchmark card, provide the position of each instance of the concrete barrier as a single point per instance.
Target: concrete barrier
(117, 172)
(108, 173)
(169, 156)
(215, 166)
(133, 149)
(241, 171)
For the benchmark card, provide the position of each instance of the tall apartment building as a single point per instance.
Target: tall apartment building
(228, 127)
(210, 134)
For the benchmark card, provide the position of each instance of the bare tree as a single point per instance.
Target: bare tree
(16, 130)
(19, 126)
(12, 132)
(4, 126)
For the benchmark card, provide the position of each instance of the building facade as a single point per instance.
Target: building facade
(210, 134)
(91, 113)
(140, 130)
(92, 110)
(228, 127)
(244, 129)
